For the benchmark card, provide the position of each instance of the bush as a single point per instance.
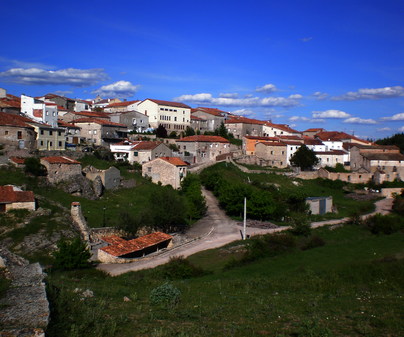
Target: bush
(313, 242)
(384, 224)
(300, 225)
(71, 255)
(165, 295)
(33, 166)
(180, 268)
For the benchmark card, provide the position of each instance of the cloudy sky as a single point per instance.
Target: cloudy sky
(338, 65)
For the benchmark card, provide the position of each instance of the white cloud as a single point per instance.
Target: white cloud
(267, 88)
(229, 95)
(401, 129)
(377, 93)
(120, 89)
(243, 112)
(396, 117)
(330, 114)
(384, 129)
(206, 98)
(320, 95)
(306, 119)
(63, 92)
(357, 120)
(70, 76)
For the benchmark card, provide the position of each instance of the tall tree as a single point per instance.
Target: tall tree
(304, 158)
(161, 131)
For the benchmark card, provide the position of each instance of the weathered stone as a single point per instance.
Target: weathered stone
(97, 186)
(79, 185)
(126, 299)
(88, 293)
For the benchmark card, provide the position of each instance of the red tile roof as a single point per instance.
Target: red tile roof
(17, 160)
(60, 160)
(91, 114)
(385, 156)
(64, 124)
(145, 145)
(10, 101)
(119, 104)
(211, 111)
(203, 138)
(97, 121)
(168, 103)
(8, 195)
(314, 130)
(311, 141)
(14, 120)
(120, 247)
(339, 136)
(273, 144)
(174, 161)
(262, 138)
(197, 118)
(244, 120)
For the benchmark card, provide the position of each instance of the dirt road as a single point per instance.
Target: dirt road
(214, 230)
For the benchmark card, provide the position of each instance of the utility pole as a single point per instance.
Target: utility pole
(245, 219)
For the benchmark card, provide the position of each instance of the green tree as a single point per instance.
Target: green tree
(261, 205)
(71, 255)
(304, 158)
(33, 166)
(173, 134)
(191, 189)
(222, 131)
(189, 131)
(161, 131)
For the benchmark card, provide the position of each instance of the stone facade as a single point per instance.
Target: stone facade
(16, 133)
(111, 178)
(61, 168)
(12, 197)
(274, 153)
(167, 170)
(134, 120)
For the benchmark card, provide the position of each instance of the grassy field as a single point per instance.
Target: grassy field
(351, 286)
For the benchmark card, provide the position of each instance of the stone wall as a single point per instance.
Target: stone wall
(61, 172)
(351, 177)
(111, 178)
(389, 192)
(21, 205)
(79, 221)
(98, 233)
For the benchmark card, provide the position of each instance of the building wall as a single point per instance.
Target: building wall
(111, 178)
(133, 120)
(239, 130)
(271, 131)
(91, 132)
(18, 138)
(276, 156)
(161, 171)
(314, 205)
(50, 139)
(330, 159)
(60, 172)
(21, 205)
(204, 151)
(175, 120)
(212, 122)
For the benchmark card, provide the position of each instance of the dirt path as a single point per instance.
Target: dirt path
(216, 229)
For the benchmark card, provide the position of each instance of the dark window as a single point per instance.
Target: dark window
(19, 134)
(50, 133)
(60, 144)
(41, 132)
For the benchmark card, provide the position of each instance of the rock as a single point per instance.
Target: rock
(126, 299)
(97, 186)
(2, 263)
(79, 185)
(88, 293)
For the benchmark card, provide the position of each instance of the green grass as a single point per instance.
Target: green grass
(352, 286)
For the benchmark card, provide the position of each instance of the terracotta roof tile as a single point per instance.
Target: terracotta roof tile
(120, 104)
(14, 120)
(97, 121)
(244, 120)
(204, 138)
(60, 160)
(211, 111)
(9, 195)
(17, 160)
(168, 103)
(174, 161)
(145, 145)
(120, 247)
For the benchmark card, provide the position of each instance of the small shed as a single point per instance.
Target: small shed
(127, 249)
(61, 168)
(11, 197)
(319, 205)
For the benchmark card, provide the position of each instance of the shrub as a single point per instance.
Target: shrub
(300, 225)
(180, 268)
(313, 242)
(165, 295)
(33, 166)
(71, 255)
(384, 224)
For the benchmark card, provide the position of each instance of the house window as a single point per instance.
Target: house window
(175, 119)
(6, 132)
(19, 135)
(41, 142)
(59, 133)
(283, 152)
(50, 144)
(135, 154)
(149, 169)
(90, 132)
(60, 144)
(41, 132)
(95, 132)
(50, 133)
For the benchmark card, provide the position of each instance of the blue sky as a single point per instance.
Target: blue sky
(338, 65)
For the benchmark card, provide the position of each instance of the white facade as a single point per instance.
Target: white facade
(290, 151)
(172, 117)
(332, 145)
(39, 111)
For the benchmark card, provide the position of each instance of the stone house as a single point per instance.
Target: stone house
(167, 170)
(312, 132)
(174, 116)
(272, 153)
(16, 132)
(330, 158)
(72, 134)
(241, 126)
(134, 120)
(140, 151)
(111, 177)
(9, 103)
(210, 118)
(203, 148)
(63, 102)
(249, 143)
(199, 124)
(377, 157)
(49, 138)
(60, 168)
(101, 132)
(12, 197)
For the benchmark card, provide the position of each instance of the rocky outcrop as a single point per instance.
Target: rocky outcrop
(97, 186)
(80, 186)
(25, 308)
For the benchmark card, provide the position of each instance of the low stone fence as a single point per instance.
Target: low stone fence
(389, 192)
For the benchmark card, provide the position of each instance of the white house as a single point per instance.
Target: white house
(174, 116)
(40, 111)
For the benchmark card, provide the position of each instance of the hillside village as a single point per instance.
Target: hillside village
(165, 141)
